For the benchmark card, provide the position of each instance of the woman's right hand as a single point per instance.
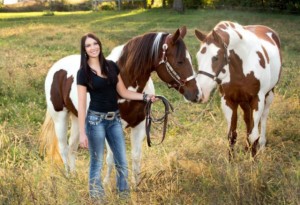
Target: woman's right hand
(83, 141)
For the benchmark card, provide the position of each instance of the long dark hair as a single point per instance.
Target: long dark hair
(106, 68)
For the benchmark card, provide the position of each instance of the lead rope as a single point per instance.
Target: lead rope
(164, 118)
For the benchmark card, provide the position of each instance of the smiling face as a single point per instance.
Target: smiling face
(92, 47)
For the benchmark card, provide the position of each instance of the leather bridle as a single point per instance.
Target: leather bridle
(215, 77)
(164, 60)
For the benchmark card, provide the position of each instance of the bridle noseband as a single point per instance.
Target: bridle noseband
(171, 71)
(215, 77)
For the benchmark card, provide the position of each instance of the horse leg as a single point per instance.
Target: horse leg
(61, 126)
(257, 107)
(73, 142)
(230, 113)
(248, 118)
(137, 136)
(263, 121)
(110, 164)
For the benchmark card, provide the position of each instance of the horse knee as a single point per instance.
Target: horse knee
(253, 136)
(254, 148)
(262, 142)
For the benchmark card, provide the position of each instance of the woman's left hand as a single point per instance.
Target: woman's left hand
(151, 97)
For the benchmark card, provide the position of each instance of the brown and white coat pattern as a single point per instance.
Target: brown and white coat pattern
(246, 64)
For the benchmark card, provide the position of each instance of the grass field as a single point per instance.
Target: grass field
(191, 166)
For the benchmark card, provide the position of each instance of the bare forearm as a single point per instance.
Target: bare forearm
(81, 108)
(131, 95)
(81, 120)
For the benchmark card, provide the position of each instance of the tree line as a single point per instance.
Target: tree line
(289, 6)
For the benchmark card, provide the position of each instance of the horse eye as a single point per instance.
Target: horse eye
(215, 58)
(180, 62)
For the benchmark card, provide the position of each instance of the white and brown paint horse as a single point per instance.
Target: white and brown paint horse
(245, 61)
(137, 59)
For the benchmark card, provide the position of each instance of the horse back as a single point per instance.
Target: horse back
(60, 85)
(272, 53)
(265, 33)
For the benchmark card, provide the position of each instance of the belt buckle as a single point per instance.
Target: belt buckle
(110, 115)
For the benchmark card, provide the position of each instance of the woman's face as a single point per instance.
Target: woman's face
(92, 48)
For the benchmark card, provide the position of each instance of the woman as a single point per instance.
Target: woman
(101, 78)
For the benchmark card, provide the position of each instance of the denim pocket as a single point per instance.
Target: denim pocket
(94, 119)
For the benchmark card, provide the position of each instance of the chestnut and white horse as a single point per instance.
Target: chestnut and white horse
(245, 62)
(161, 52)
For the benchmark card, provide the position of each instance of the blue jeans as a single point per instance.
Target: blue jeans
(98, 129)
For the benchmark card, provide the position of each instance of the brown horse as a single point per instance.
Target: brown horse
(245, 62)
(161, 52)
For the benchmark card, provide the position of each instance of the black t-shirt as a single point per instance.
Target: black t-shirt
(104, 96)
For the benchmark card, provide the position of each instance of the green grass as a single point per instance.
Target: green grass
(191, 166)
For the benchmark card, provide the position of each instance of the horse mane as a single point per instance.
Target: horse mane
(225, 28)
(139, 53)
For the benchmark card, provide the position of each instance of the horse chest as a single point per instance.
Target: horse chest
(239, 91)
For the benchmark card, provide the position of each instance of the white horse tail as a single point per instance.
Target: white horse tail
(48, 141)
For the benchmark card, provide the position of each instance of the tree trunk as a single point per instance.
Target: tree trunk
(164, 4)
(178, 6)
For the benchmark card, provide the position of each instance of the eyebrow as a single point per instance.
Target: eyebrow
(91, 43)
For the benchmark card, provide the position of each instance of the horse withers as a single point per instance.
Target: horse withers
(164, 53)
(245, 62)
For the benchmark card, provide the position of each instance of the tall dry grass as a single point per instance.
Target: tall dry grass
(191, 166)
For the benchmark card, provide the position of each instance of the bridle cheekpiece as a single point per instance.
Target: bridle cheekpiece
(171, 71)
(215, 77)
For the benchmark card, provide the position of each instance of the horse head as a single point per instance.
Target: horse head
(212, 59)
(174, 65)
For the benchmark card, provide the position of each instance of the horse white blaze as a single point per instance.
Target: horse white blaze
(206, 84)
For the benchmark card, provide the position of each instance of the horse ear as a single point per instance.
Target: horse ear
(175, 37)
(199, 35)
(217, 37)
(183, 31)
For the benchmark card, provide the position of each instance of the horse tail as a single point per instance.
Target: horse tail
(48, 141)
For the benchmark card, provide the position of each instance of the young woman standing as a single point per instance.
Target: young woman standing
(101, 78)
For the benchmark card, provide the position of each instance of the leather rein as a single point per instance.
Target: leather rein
(163, 119)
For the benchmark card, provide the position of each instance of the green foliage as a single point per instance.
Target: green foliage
(48, 13)
(108, 6)
(192, 4)
(271, 5)
(291, 6)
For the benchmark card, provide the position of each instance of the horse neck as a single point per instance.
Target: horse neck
(241, 41)
(144, 53)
